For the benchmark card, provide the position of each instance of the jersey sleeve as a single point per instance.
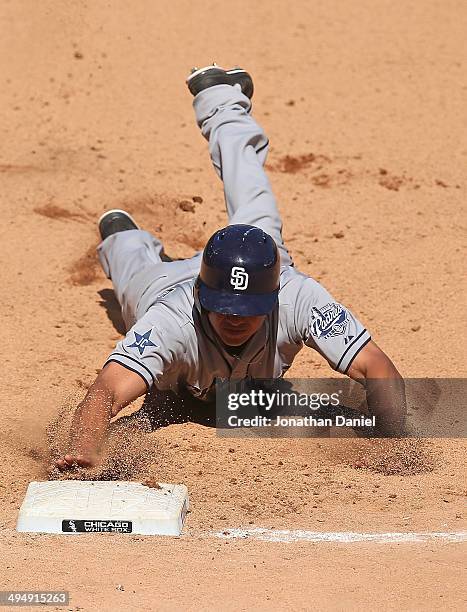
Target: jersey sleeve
(149, 349)
(328, 326)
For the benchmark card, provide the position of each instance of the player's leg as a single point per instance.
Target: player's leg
(125, 249)
(238, 148)
(135, 262)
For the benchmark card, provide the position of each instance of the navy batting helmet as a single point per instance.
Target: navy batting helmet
(239, 272)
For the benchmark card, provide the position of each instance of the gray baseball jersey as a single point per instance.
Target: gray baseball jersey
(170, 342)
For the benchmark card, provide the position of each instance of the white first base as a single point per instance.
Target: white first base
(80, 506)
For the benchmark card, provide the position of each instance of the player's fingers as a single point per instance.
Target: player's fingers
(60, 463)
(71, 460)
(83, 461)
(65, 464)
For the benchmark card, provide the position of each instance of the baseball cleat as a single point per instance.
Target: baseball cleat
(202, 78)
(114, 221)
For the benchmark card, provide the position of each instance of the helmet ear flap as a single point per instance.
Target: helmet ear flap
(196, 288)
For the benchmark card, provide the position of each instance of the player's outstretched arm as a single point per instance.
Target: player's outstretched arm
(114, 388)
(385, 389)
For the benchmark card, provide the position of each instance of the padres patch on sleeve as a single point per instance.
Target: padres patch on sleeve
(329, 321)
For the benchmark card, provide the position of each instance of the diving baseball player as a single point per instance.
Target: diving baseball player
(238, 309)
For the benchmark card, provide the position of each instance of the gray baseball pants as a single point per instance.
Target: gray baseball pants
(238, 148)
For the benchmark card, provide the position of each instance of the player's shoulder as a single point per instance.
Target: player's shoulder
(172, 311)
(178, 300)
(293, 282)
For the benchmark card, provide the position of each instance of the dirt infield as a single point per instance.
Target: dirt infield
(364, 104)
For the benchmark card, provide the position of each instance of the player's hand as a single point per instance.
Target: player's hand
(70, 461)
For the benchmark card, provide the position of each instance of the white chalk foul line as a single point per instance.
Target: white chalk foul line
(345, 537)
